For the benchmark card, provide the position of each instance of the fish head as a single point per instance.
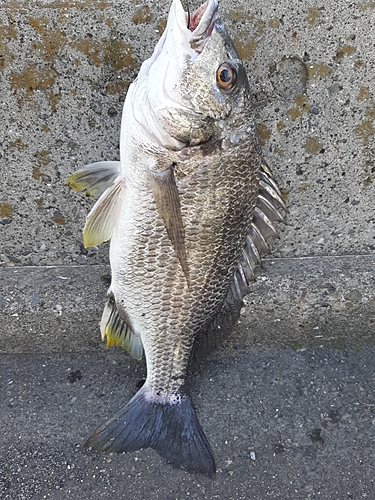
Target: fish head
(194, 80)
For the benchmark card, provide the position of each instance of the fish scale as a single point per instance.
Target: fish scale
(188, 209)
(204, 295)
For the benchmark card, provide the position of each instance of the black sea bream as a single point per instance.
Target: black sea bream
(188, 209)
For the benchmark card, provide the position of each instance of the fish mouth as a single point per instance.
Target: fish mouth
(201, 24)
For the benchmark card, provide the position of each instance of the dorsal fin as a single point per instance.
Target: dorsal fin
(266, 212)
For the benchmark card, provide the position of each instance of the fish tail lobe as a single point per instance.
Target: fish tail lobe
(171, 428)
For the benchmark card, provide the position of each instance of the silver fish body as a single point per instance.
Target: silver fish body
(188, 209)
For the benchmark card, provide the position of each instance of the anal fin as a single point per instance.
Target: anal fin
(117, 332)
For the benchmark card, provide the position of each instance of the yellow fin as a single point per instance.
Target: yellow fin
(102, 219)
(117, 332)
(95, 178)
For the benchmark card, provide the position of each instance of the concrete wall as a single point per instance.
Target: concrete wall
(65, 67)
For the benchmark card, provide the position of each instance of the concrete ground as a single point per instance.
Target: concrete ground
(301, 302)
(287, 398)
(283, 424)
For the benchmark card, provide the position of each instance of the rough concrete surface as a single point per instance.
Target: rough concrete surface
(302, 302)
(64, 71)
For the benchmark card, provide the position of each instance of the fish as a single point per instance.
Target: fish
(188, 210)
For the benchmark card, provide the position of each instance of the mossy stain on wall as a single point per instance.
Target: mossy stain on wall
(264, 134)
(161, 25)
(6, 33)
(118, 55)
(91, 48)
(363, 94)
(312, 146)
(364, 130)
(246, 47)
(239, 14)
(274, 23)
(58, 218)
(17, 145)
(51, 40)
(344, 51)
(42, 157)
(142, 15)
(312, 17)
(318, 70)
(32, 78)
(302, 106)
(5, 56)
(370, 4)
(37, 174)
(39, 203)
(6, 210)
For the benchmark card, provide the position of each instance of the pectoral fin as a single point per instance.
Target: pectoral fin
(167, 199)
(102, 219)
(95, 178)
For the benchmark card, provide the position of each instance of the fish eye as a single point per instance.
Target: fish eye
(226, 76)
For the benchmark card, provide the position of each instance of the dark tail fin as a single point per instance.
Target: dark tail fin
(171, 429)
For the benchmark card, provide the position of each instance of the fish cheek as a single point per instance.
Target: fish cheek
(187, 126)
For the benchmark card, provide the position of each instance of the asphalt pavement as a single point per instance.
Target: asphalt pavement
(283, 424)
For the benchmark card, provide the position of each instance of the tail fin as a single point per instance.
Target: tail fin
(171, 429)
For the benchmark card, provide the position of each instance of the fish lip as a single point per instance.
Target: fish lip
(201, 24)
(206, 15)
